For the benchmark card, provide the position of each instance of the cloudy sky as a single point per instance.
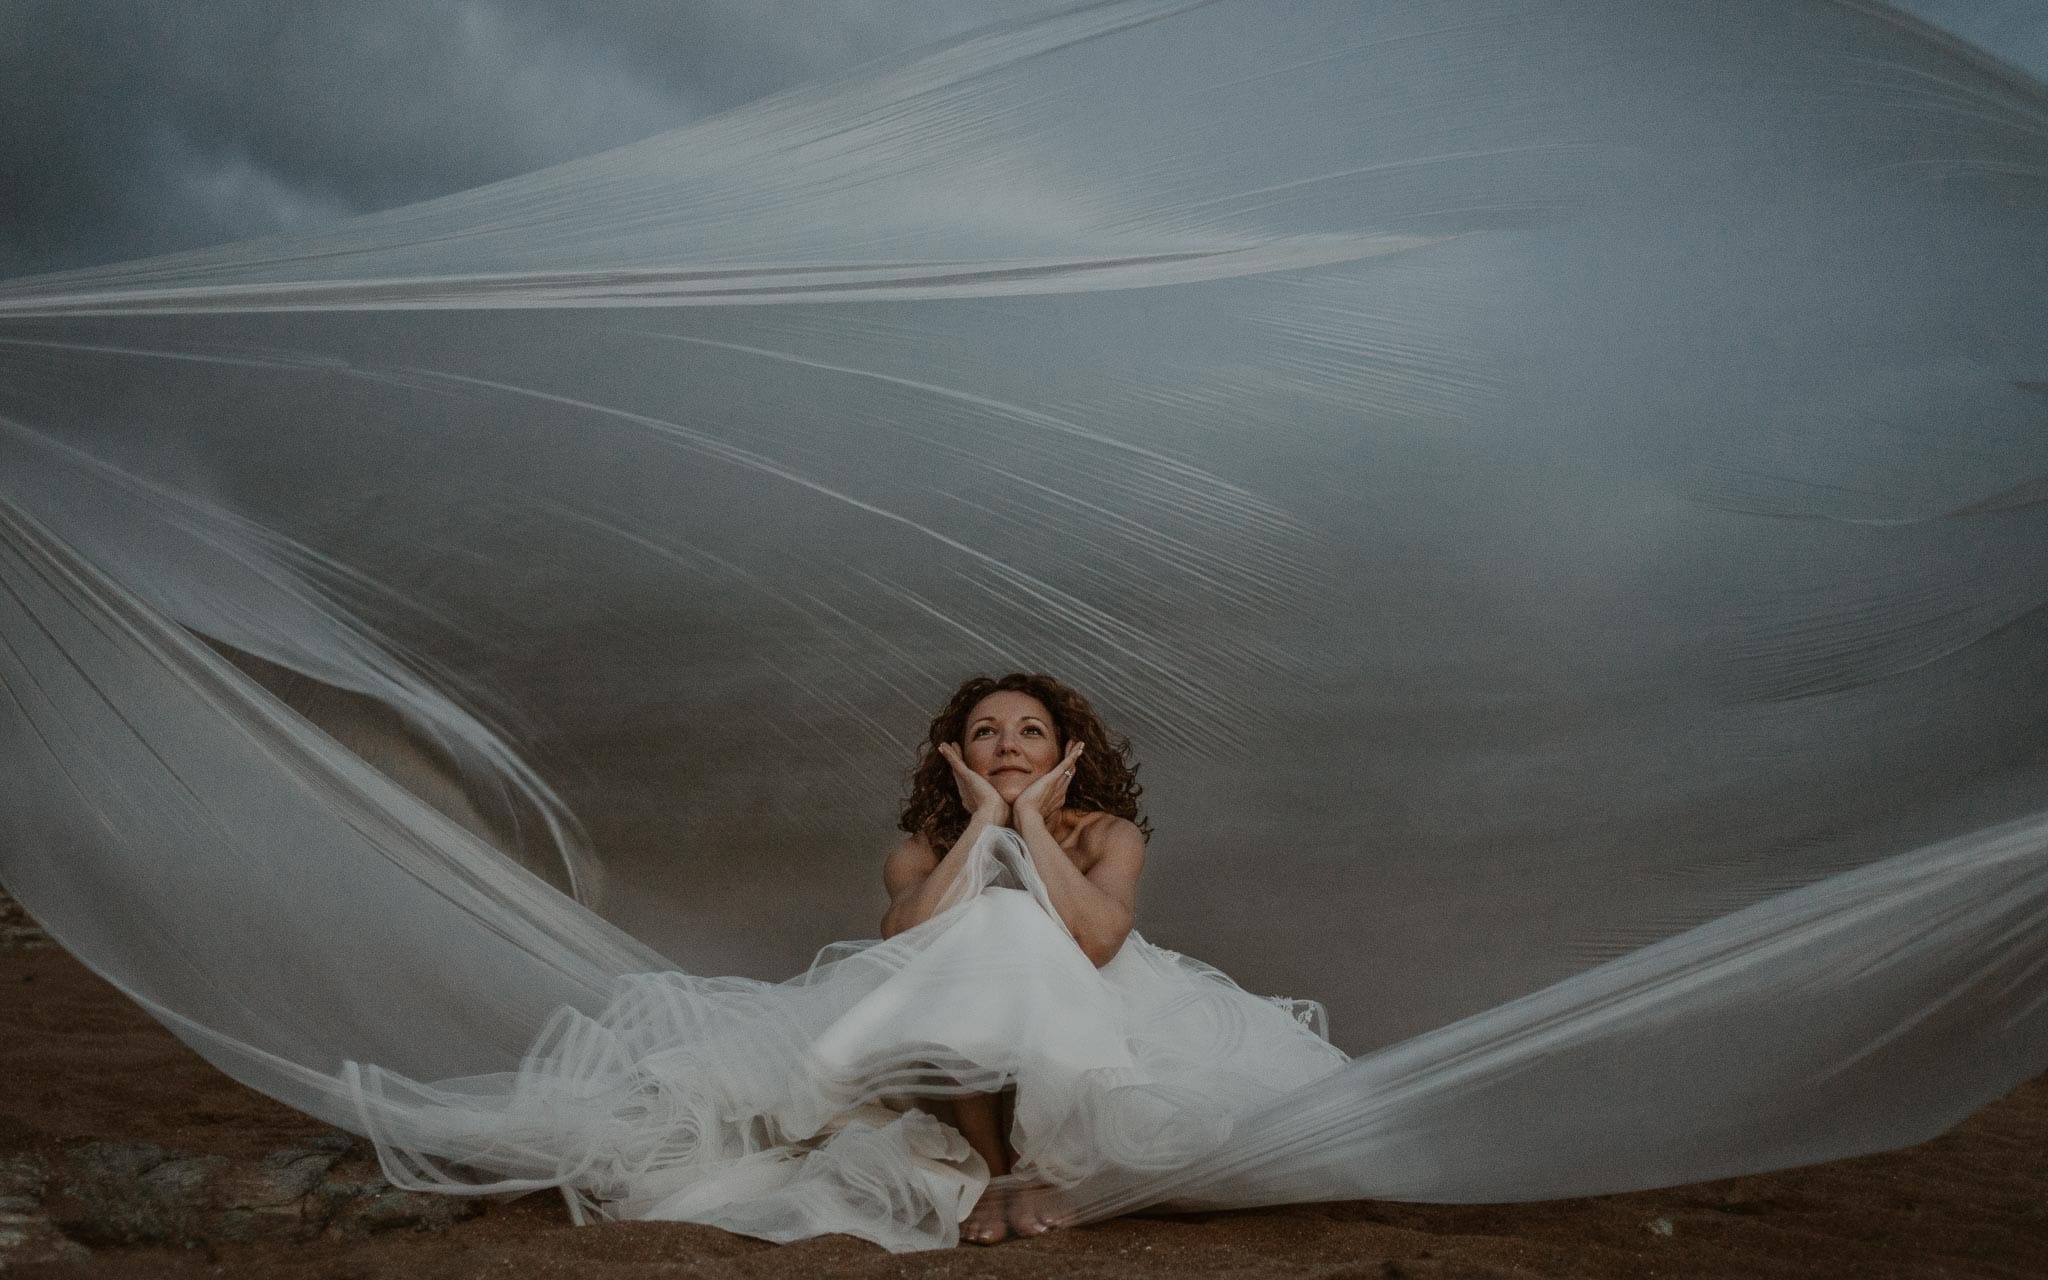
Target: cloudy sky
(138, 126)
(130, 127)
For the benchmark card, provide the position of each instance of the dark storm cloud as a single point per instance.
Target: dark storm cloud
(130, 127)
(141, 127)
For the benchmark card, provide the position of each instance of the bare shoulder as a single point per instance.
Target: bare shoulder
(1113, 850)
(1104, 835)
(909, 863)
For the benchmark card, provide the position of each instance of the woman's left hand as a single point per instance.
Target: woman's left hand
(1047, 796)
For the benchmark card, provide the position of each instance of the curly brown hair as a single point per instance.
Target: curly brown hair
(1105, 779)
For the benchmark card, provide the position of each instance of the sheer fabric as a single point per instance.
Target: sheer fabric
(802, 1108)
(1553, 491)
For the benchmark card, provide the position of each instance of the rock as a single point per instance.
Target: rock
(1659, 1227)
(30, 1237)
(389, 1209)
(133, 1193)
(26, 1233)
(18, 932)
(23, 1177)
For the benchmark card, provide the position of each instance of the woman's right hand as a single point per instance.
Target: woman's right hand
(976, 792)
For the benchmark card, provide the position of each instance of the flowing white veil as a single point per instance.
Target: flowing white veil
(1555, 492)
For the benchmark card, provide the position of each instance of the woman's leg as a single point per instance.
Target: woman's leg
(1031, 1208)
(979, 1118)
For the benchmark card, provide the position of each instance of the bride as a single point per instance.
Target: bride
(1009, 1037)
(1009, 753)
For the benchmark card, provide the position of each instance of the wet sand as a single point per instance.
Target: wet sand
(81, 1063)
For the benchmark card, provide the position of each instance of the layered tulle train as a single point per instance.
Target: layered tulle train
(785, 1110)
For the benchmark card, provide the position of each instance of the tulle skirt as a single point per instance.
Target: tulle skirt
(793, 1109)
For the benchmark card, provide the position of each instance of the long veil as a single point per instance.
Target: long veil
(1555, 492)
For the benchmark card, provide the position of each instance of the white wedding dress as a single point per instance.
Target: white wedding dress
(786, 1110)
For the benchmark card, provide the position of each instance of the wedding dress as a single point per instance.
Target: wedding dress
(786, 1110)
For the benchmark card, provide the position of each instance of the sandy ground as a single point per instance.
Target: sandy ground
(78, 1062)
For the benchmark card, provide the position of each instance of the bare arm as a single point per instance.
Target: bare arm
(918, 879)
(1100, 907)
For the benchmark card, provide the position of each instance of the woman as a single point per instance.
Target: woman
(1023, 760)
(1000, 756)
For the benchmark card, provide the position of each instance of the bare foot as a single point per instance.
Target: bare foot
(989, 1221)
(1035, 1208)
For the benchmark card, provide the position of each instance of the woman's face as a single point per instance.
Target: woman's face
(1009, 739)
